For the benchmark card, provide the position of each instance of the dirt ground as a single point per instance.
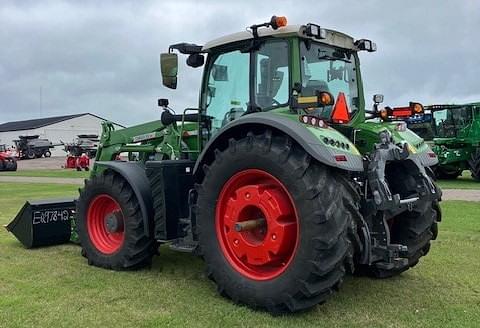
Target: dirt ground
(75, 181)
(461, 194)
(42, 163)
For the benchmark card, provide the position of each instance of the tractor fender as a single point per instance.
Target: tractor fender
(259, 122)
(136, 177)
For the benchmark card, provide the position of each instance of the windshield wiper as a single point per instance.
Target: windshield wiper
(327, 57)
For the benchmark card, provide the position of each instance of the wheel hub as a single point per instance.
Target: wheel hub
(105, 224)
(256, 224)
(114, 222)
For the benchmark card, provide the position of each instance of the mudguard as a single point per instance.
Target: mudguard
(136, 177)
(313, 144)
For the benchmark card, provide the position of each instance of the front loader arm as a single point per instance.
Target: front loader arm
(135, 138)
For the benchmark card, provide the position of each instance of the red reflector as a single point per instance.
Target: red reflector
(340, 110)
(340, 158)
(432, 155)
(401, 112)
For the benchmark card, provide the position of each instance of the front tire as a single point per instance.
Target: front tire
(444, 174)
(11, 165)
(474, 164)
(414, 229)
(110, 225)
(31, 154)
(299, 257)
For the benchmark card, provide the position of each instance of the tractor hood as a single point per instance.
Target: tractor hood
(368, 134)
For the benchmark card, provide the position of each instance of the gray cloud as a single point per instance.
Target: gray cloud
(103, 58)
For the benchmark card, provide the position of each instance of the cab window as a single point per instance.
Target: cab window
(271, 75)
(227, 93)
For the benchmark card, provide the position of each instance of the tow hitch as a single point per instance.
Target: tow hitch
(382, 205)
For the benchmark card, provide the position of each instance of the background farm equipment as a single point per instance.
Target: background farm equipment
(421, 124)
(276, 179)
(454, 133)
(81, 151)
(30, 147)
(84, 144)
(8, 162)
(79, 163)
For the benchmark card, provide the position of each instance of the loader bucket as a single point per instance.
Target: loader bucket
(43, 222)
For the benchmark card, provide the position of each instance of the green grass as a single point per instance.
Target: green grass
(465, 181)
(54, 286)
(53, 173)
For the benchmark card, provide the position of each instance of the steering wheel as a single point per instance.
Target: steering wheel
(275, 102)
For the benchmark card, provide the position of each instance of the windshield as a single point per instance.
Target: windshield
(449, 122)
(329, 69)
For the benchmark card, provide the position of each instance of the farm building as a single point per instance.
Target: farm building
(57, 129)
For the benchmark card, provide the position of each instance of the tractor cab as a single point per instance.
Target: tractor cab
(453, 121)
(302, 69)
(456, 139)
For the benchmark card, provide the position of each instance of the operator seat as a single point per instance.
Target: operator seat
(313, 86)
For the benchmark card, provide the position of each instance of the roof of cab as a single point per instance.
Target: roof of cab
(333, 38)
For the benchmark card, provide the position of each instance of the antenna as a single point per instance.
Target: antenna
(41, 101)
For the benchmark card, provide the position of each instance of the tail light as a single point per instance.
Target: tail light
(313, 121)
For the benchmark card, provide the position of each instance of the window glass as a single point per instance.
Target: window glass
(228, 88)
(449, 122)
(271, 75)
(329, 69)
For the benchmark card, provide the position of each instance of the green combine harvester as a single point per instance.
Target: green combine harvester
(456, 130)
(276, 179)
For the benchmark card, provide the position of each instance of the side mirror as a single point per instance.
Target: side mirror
(195, 60)
(220, 73)
(377, 99)
(169, 69)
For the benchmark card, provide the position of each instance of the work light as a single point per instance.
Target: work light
(315, 31)
(368, 45)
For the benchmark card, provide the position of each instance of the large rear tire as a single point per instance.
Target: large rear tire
(474, 164)
(110, 225)
(299, 256)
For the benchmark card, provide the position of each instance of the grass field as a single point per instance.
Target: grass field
(464, 181)
(54, 286)
(53, 173)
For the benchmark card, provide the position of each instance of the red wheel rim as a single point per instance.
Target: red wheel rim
(264, 251)
(105, 240)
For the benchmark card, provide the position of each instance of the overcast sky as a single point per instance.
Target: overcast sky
(82, 56)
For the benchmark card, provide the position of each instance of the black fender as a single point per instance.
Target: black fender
(259, 122)
(136, 177)
(425, 158)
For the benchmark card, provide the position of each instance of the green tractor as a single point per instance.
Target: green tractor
(457, 139)
(276, 179)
